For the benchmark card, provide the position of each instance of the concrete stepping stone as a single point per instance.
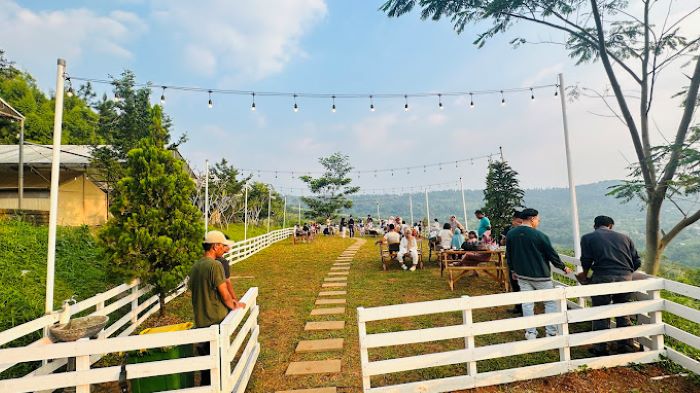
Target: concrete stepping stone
(331, 279)
(330, 301)
(341, 264)
(328, 311)
(338, 273)
(332, 293)
(337, 268)
(314, 367)
(315, 390)
(334, 284)
(325, 325)
(331, 344)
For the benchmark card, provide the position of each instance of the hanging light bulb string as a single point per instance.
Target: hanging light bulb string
(358, 173)
(331, 96)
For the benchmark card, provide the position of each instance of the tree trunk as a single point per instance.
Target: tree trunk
(653, 249)
(161, 301)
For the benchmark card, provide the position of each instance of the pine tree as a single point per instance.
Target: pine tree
(155, 232)
(501, 196)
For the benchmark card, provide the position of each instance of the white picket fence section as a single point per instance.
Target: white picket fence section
(650, 330)
(126, 313)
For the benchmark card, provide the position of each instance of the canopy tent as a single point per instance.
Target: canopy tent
(7, 111)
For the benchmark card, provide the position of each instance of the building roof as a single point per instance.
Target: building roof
(6, 110)
(41, 154)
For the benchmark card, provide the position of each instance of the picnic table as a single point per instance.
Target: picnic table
(495, 267)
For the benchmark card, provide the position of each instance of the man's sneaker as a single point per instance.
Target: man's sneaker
(530, 336)
(551, 334)
(403, 266)
(413, 268)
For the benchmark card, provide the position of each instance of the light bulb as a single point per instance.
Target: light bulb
(503, 98)
(333, 108)
(405, 107)
(371, 107)
(532, 94)
(69, 93)
(440, 102)
(211, 103)
(441, 107)
(296, 107)
(471, 100)
(162, 99)
(252, 107)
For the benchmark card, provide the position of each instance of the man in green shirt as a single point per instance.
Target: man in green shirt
(211, 300)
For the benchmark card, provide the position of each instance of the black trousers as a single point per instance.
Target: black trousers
(203, 350)
(352, 230)
(603, 300)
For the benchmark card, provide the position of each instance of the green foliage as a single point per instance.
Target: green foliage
(80, 269)
(332, 189)
(155, 232)
(502, 195)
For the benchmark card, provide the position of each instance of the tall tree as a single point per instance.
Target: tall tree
(629, 45)
(502, 195)
(225, 193)
(155, 232)
(331, 189)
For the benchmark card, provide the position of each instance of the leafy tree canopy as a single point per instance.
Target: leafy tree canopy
(331, 189)
(502, 195)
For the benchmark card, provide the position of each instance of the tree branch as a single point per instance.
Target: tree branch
(682, 224)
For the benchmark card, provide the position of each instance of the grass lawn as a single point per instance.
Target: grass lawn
(289, 278)
(237, 231)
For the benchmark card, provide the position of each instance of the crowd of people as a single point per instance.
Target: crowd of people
(609, 255)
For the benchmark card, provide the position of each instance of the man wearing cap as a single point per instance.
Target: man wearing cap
(211, 300)
(528, 254)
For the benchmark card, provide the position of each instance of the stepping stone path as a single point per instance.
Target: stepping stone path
(328, 304)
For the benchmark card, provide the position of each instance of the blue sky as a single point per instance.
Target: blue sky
(333, 47)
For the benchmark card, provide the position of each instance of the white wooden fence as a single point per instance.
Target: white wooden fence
(127, 312)
(650, 330)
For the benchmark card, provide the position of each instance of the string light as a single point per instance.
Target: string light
(440, 102)
(211, 103)
(333, 107)
(532, 94)
(503, 99)
(296, 107)
(70, 92)
(471, 98)
(252, 106)
(162, 96)
(556, 90)
(405, 107)
(371, 104)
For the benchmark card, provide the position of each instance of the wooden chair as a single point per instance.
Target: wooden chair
(387, 256)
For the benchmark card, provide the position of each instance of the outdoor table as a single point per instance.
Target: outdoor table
(495, 268)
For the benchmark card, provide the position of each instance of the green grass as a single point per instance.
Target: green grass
(236, 231)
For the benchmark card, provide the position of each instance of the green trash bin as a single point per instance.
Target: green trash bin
(163, 382)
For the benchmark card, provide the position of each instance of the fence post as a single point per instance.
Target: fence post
(98, 307)
(657, 341)
(364, 353)
(224, 341)
(215, 356)
(82, 363)
(134, 303)
(469, 345)
(565, 352)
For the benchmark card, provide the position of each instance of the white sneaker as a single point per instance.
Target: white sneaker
(403, 266)
(413, 268)
(530, 336)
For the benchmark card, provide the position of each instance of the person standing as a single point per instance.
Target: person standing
(227, 270)
(484, 223)
(613, 258)
(528, 254)
(211, 300)
(342, 227)
(351, 226)
(454, 224)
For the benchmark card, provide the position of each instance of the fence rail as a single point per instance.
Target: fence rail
(650, 330)
(127, 308)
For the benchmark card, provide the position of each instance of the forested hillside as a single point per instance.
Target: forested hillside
(553, 205)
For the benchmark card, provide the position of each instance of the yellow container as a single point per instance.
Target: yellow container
(167, 329)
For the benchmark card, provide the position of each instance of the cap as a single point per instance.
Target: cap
(214, 237)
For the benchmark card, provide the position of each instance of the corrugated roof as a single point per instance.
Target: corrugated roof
(41, 154)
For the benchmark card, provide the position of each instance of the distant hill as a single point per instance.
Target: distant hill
(553, 204)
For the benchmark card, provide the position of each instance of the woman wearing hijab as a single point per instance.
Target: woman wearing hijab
(457, 239)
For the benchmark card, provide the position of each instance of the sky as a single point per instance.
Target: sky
(336, 47)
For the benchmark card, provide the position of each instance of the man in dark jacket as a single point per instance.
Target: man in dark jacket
(529, 253)
(613, 258)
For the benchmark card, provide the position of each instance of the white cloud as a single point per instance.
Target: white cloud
(251, 39)
(31, 37)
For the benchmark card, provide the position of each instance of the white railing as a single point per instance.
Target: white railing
(650, 331)
(218, 338)
(126, 311)
(234, 331)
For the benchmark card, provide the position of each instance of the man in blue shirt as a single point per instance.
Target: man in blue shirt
(484, 223)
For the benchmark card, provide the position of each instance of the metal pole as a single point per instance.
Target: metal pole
(206, 197)
(379, 218)
(427, 207)
(284, 214)
(20, 186)
(269, 206)
(299, 216)
(464, 205)
(570, 172)
(410, 207)
(55, 166)
(245, 217)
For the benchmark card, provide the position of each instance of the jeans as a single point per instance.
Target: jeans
(550, 306)
(603, 300)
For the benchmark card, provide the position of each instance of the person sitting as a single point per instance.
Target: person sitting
(471, 242)
(473, 256)
(445, 237)
(408, 245)
(391, 239)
